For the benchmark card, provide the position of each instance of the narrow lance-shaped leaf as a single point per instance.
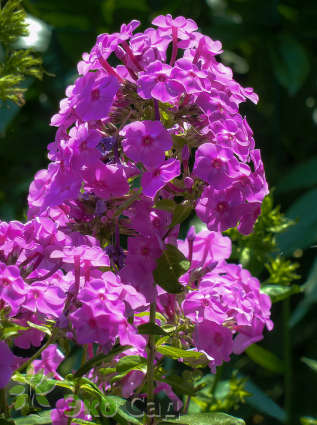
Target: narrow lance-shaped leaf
(100, 358)
(210, 418)
(280, 292)
(265, 358)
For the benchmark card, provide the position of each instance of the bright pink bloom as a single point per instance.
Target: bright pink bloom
(146, 142)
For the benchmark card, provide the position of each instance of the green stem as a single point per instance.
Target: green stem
(37, 354)
(185, 411)
(4, 402)
(287, 354)
(128, 202)
(216, 380)
(150, 365)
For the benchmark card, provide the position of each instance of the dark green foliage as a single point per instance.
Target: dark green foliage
(15, 65)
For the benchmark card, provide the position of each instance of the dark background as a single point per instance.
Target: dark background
(270, 46)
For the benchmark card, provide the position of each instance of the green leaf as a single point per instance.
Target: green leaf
(42, 401)
(44, 387)
(178, 353)
(310, 362)
(263, 403)
(150, 329)
(83, 422)
(210, 418)
(170, 266)
(17, 390)
(11, 330)
(123, 416)
(290, 62)
(310, 291)
(280, 292)
(165, 205)
(265, 358)
(42, 418)
(72, 361)
(301, 176)
(178, 384)
(20, 401)
(41, 328)
(129, 362)
(182, 211)
(305, 420)
(304, 233)
(6, 421)
(100, 358)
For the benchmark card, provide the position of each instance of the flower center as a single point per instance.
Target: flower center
(218, 339)
(5, 282)
(95, 94)
(161, 78)
(102, 297)
(147, 141)
(145, 251)
(36, 294)
(92, 323)
(217, 163)
(205, 302)
(222, 207)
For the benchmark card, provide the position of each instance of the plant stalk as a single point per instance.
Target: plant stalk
(4, 408)
(150, 367)
(37, 354)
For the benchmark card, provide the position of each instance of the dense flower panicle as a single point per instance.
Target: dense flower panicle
(139, 147)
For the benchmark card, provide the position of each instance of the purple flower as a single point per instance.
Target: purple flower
(50, 359)
(132, 381)
(155, 82)
(7, 363)
(106, 181)
(67, 408)
(215, 340)
(250, 213)
(93, 95)
(233, 133)
(96, 325)
(166, 23)
(216, 102)
(146, 142)
(154, 180)
(189, 75)
(45, 299)
(220, 209)
(217, 166)
(205, 247)
(12, 288)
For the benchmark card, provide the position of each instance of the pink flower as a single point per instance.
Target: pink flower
(93, 95)
(50, 359)
(215, 340)
(156, 82)
(154, 180)
(146, 142)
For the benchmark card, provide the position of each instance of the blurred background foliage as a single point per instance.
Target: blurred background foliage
(271, 46)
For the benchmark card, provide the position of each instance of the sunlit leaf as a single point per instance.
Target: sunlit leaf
(265, 358)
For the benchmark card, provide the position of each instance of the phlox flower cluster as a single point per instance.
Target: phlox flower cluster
(137, 143)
